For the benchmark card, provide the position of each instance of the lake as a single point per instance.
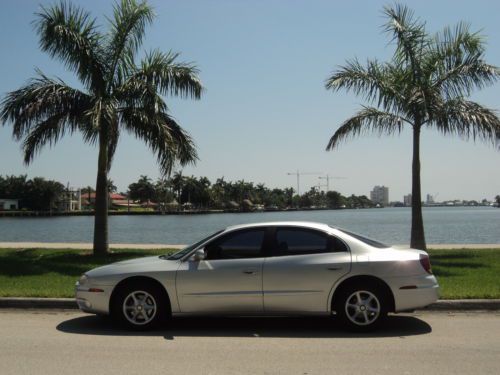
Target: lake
(391, 225)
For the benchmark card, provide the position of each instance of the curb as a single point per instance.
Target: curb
(464, 304)
(37, 303)
(70, 303)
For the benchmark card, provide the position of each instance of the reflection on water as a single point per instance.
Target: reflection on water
(390, 225)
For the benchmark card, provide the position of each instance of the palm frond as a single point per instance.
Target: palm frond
(376, 82)
(467, 119)
(367, 120)
(68, 33)
(163, 135)
(127, 27)
(167, 76)
(48, 131)
(114, 136)
(409, 34)
(40, 99)
(456, 60)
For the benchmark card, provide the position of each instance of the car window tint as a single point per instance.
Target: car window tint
(337, 245)
(243, 244)
(366, 240)
(300, 241)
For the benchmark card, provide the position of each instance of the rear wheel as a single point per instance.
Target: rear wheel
(361, 308)
(140, 306)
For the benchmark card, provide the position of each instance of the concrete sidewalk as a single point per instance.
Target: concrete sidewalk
(69, 303)
(85, 245)
(88, 246)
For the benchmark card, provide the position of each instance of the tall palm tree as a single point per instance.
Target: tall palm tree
(424, 85)
(118, 93)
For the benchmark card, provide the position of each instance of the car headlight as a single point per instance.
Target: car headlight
(83, 280)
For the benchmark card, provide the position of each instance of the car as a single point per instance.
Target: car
(277, 268)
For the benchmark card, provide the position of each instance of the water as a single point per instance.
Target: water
(390, 225)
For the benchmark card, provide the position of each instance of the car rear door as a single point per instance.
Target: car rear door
(229, 279)
(303, 267)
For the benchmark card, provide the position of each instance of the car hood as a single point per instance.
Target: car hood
(139, 266)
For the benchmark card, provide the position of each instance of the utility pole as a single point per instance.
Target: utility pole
(328, 177)
(298, 174)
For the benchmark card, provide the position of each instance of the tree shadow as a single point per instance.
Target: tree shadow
(303, 327)
(451, 264)
(29, 262)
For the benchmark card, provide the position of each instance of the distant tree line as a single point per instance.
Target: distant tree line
(36, 194)
(201, 193)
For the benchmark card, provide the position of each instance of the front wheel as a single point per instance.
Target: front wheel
(361, 308)
(139, 306)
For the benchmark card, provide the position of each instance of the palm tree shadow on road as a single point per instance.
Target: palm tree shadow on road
(310, 327)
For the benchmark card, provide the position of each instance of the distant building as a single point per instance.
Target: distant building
(114, 199)
(70, 200)
(9, 204)
(407, 200)
(380, 195)
(429, 199)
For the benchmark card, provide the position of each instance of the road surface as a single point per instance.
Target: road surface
(68, 342)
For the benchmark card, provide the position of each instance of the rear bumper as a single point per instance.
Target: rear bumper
(91, 301)
(414, 292)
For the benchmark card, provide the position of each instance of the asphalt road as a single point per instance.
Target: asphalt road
(64, 342)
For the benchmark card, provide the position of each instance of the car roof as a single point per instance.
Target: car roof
(301, 224)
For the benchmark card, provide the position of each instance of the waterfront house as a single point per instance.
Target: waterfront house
(9, 204)
(115, 200)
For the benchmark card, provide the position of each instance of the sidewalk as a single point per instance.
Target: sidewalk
(69, 303)
(85, 246)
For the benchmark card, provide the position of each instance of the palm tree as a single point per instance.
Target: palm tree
(178, 181)
(118, 93)
(424, 85)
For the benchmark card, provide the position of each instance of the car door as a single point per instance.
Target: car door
(304, 265)
(229, 279)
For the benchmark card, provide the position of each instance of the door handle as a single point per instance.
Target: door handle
(249, 272)
(334, 268)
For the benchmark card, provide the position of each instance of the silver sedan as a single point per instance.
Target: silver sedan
(281, 268)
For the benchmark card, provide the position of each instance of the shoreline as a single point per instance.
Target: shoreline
(89, 245)
(42, 214)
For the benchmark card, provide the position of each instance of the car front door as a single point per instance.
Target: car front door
(303, 267)
(229, 279)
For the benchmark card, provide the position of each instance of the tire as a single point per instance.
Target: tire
(140, 306)
(361, 308)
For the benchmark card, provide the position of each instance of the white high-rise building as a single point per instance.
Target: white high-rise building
(407, 200)
(380, 195)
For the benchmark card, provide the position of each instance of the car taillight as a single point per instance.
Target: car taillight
(426, 263)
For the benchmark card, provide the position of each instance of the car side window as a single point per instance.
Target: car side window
(297, 241)
(237, 245)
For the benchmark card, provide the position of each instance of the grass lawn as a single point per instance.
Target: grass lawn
(52, 273)
(467, 273)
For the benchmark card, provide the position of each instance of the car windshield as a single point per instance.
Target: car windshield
(366, 240)
(186, 250)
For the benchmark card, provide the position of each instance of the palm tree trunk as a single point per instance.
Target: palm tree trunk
(101, 244)
(417, 224)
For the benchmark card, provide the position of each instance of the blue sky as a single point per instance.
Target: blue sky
(265, 111)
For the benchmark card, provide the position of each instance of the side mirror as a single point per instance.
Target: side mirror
(198, 255)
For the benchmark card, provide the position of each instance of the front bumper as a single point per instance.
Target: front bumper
(90, 300)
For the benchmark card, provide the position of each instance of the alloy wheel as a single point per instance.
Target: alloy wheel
(139, 307)
(362, 308)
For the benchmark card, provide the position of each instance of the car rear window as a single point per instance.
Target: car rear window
(295, 241)
(366, 240)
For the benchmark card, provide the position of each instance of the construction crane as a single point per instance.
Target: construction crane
(328, 177)
(298, 174)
